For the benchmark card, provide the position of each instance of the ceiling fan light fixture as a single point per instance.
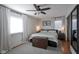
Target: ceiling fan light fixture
(35, 13)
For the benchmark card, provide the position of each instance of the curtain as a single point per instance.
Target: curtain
(4, 30)
(5, 36)
(25, 28)
(16, 38)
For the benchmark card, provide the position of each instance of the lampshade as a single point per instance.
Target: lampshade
(62, 29)
(38, 28)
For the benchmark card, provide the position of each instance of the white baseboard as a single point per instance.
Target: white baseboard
(72, 50)
(3, 51)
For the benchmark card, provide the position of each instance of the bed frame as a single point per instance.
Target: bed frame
(50, 43)
(50, 30)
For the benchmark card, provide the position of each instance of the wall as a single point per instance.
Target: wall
(32, 23)
(0, 34)
(52, 22)
(48, 27)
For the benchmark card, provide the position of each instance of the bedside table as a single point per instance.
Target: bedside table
(61, 36)
(38, 31)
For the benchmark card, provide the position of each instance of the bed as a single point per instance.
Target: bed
(50, 34)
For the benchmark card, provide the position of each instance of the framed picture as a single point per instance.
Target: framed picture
(46, 23)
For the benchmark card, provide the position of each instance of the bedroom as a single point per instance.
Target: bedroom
(24, 25)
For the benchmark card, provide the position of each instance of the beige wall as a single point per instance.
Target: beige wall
(32, 23)
(52, 22)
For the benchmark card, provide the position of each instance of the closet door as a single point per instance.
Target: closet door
(78, 29)
(74, 29)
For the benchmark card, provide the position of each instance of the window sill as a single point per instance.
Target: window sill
(16, 33)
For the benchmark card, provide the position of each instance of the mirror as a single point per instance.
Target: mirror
(74, 29)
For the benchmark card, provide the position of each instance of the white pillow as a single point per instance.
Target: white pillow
(52, 31)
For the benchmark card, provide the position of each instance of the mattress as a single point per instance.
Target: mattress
(52, 36)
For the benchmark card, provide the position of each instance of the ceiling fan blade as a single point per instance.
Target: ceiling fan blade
(31, 10)
(45, 9)
(43, 12)
(36, 7)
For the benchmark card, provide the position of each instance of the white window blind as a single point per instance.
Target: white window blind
(16, 24)
(74, 24)
(58, 24)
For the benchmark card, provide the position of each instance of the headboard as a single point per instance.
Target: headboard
(50, 30)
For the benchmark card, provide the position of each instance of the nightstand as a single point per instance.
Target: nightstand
(38, 31)
(61, 36)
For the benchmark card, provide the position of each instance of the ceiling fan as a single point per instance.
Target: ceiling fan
(39, 10)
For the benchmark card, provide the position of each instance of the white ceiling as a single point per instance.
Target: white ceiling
(55, 11)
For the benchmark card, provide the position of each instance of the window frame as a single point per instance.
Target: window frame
(55, 24)
(16, 32)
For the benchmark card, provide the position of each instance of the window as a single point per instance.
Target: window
(74, 24)
(58, 24)
(16, 24)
